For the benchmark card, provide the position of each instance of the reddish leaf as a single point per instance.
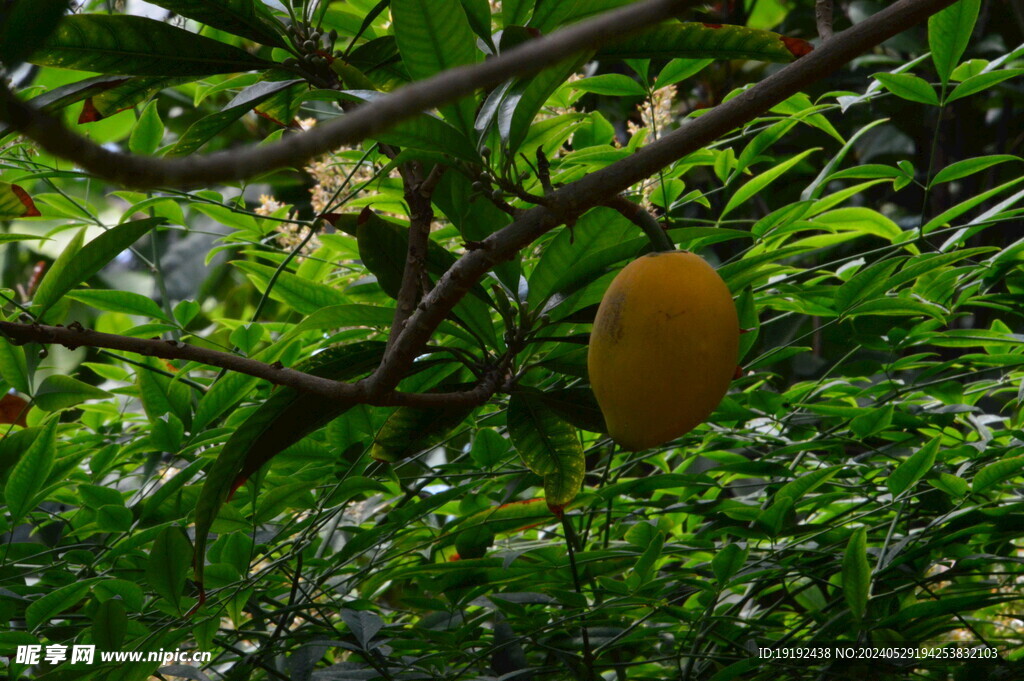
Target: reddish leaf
(13, 410)
(797, 46)
(707, 25)
(30, 207)
(90, 114)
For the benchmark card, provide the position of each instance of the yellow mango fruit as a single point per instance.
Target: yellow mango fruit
(664, 348)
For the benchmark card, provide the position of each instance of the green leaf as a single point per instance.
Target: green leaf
(125, 302)
(909, 87)
(300, 294)
(995, 473)
(914, 468)
(755, 185)
(862, 220)
(167, 566)
(51, 605)
(57, 393)
(516, 12)
(13, 367)
(949, 32)
(898, 307)
(981, 82)
(424, 131)
(148, 131)
(970, 166)
(234, 16)
(29, 475)
(548, 447)
(24, 25)
(283, 419)
(795, 490)
(601, 238)
(953, 485)
(613, 84)
(208, 127)
(407, 431)
(434, 36)
(15, 203)
(523, 101)
(696, 41)
(679, 70)
(727, 562)
(857, 573)
(109, 624)
(137, 46)
(967, 204)
(78, 263)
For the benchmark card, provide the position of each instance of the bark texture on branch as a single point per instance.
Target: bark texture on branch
(367, 120)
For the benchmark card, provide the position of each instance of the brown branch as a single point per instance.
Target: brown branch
(574, 199)
(823, 18)
(421, 215)
(76, 336)
(367, 120)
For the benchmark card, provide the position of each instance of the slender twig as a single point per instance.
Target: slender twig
(636, 214)
(367, 120)
(823, 18)
(76, 336)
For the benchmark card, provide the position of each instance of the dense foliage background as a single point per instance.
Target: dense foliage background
(860, 482)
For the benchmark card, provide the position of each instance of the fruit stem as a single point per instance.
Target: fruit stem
(645, 221)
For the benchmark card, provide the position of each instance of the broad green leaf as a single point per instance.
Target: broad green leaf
(240, 17)
(285, 418)
(698, 41)
(909, 87)
(856, 573)
(300, 294)
(29, 475)
(138, 46)
(24, 25)
(966, 205)
(820, 183)
(995, 473)
(898, 307)
(118, 96)
(548, 446)
(524, 100)
(727, 562)
(953, 485)
(407, 431)
(13, 367)
(434, 36)
(125, 302)
(679, 70)
(949, 32)
(863, 220)
(148, 131)
(78, 263)
(755, 185)
(424, 132)
(52, 604)
(57, 393)
(167, 566)
(981, 82)
(803, 485)
(16, 203)
(578, 256)
(915, 467)
(613, 84)
(109, 624)
(208, 127)
(516, 12)
(970, 166)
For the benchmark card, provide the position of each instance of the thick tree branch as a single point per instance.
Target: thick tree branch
(573, 200)
(368, 120)
(75, 336)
